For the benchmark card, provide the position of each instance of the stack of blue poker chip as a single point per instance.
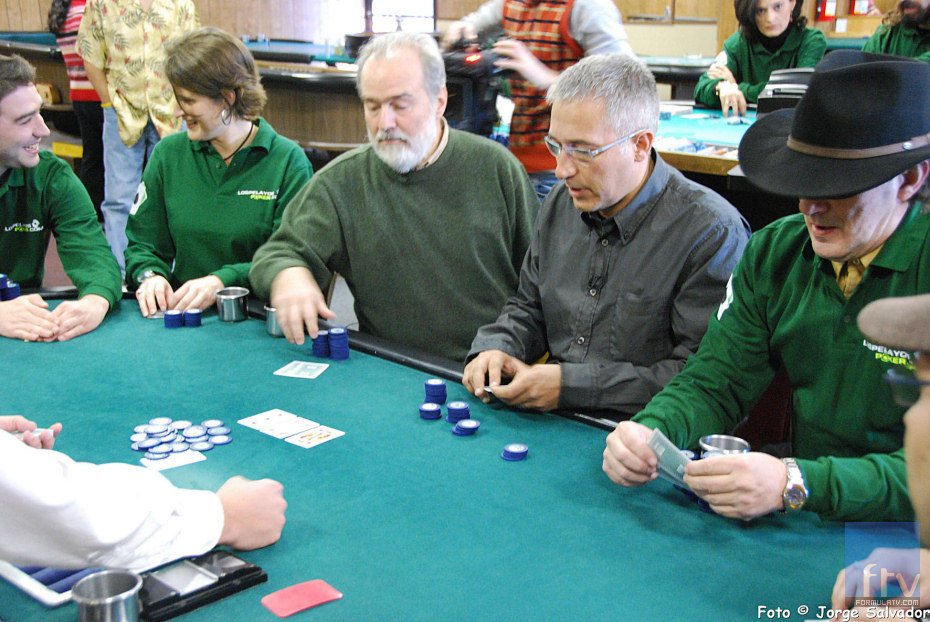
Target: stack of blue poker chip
(162, 436)
(321, 345)
(173, 319)
(3, 280)
(430, 411)
(514, 452)
(8, 290)
(338, 343)
(192, 317)
(466, 427)
(457, 411)
(436, 391)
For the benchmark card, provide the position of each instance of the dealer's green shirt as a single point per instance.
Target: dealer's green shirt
(49, 199)
(195, 216)
(752, 64)
(784, 308)
(900, 41)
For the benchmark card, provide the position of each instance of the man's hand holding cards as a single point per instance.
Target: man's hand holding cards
(672, 461)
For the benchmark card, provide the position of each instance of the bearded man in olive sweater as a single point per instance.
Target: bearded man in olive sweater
(427, 224)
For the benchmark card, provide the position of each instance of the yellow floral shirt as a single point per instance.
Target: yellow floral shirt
(128, 43)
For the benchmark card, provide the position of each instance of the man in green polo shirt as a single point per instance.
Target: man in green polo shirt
(39, 195)
(860, 162)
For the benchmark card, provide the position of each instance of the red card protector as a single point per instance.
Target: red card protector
(298, 597)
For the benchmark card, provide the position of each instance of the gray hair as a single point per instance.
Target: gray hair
(623, 83)
(380, 46)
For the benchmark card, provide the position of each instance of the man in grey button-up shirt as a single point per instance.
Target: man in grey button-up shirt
(628, 261)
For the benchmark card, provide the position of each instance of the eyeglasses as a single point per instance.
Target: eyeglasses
(580, 154)
(905, 389)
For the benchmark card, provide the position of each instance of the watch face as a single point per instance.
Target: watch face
(796, 497)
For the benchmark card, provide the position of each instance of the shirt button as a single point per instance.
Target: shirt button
(592, 291)
(580, 340)
(604, 242)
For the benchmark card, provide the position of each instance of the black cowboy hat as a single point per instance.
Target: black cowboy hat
(864, 119)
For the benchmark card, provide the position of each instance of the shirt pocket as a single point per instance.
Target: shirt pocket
(640, 331)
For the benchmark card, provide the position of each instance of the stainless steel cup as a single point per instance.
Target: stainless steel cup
(722, 445)
(108, 596)
(271, 322)
(230, 304)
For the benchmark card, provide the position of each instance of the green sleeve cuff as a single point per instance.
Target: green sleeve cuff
(231, 278)
(110, 296)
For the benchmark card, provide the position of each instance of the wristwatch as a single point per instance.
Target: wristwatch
(795, 494)
(145, 274)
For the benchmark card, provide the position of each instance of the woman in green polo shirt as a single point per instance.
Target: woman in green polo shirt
(905, 31)
(212, 195)
(772, 35)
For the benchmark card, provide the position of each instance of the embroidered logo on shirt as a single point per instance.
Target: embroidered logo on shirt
(259, 195)
(27, 227)
(727, 300)
(889, 356)
(141, 196)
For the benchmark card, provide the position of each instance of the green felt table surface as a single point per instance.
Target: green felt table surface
(711, 129)
(409, 521)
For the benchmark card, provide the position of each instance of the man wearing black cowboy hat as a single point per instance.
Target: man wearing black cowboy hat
(856, 150)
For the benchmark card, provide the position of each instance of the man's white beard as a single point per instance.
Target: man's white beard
(405, 156)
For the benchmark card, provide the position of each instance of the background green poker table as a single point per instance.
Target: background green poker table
(409, 521)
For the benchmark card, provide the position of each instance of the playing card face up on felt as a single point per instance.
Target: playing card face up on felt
(296, 598)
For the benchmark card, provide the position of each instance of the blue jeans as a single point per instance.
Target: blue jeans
(122, 173)
(543, 182)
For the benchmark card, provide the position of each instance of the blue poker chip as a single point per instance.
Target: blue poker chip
(192, 317)
(156, 430)
(170, 437)
(220, 430)
(212, 423)
(149, 443)
(164, 448)
(180, 424)
(221, 439)
(338, 332)
(160, 421)
(455, 418)
(179, 446)
(193, 431)
(338, 355)
(202, 446)
(466, 427)
(3, 280)
(153, 456)
(514, 452)
(457, 407)
(173, 319)
(197, 439)
(135, 447)
(140, 429)
(138, 437)
(430, 411)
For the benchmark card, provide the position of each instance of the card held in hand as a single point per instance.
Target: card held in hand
(672, 461)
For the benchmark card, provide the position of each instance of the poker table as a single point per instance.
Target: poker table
(409, 521)
(291, 51)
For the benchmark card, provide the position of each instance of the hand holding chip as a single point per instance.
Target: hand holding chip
(29, 433)
(298, 301)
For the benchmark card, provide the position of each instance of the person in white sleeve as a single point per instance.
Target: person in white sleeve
(65, 514)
